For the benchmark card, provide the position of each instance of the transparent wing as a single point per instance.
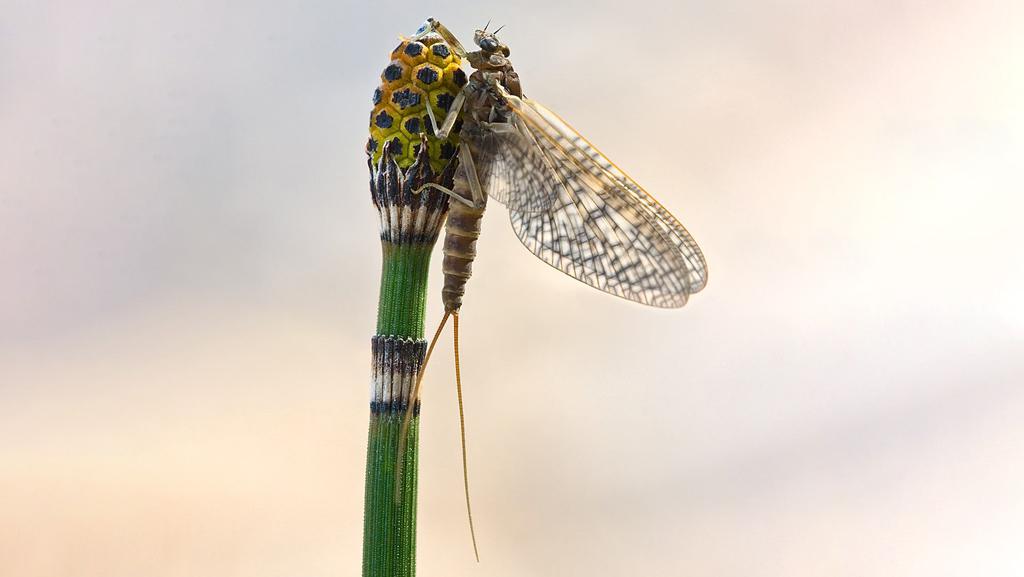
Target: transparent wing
(602, 228)
(511, 167)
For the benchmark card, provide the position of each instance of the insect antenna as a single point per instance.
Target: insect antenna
(462, 433)
(407, 417)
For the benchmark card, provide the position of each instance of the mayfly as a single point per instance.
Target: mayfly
(569, 205)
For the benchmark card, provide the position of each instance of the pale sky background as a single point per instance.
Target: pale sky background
(190, 268)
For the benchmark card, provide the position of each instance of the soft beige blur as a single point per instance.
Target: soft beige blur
(191, 262)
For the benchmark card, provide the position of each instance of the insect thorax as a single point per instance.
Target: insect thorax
(485, 101)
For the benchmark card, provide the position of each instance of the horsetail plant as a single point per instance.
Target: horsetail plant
(404, 156)
(568, 204)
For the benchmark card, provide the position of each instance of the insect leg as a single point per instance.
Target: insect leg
(466, 164)
(449, 120)
(462, 432)
(407, 418)
(447, 191)
(448, 36)
(499, 127)
(477, 197)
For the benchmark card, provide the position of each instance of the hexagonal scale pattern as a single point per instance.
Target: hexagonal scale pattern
(418, 71)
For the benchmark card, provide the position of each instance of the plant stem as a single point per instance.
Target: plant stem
(404, 155)
(389, 530)
(410, 224)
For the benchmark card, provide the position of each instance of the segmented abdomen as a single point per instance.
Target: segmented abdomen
(460, 233)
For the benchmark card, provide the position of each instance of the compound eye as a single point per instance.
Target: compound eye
(488, 43)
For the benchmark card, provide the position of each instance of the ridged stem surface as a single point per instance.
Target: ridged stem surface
(409, 227)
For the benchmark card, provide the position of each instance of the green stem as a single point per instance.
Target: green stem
(410, 224)
(389, 528)
(389, 531)
(403, 289)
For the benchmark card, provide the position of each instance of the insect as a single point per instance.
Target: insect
(568, 204)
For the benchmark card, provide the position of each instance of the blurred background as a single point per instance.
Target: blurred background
(190, 273)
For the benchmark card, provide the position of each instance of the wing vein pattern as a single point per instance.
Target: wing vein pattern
(581, 214)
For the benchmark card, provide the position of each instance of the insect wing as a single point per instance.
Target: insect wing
(602, 228)
(511, 166)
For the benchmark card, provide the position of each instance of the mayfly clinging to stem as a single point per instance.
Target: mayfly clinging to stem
(568, 204)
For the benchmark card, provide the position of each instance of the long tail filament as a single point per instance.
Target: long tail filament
(462, 432)
(407, 418)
